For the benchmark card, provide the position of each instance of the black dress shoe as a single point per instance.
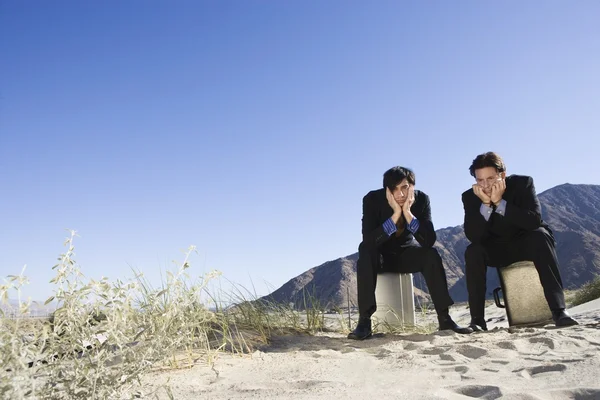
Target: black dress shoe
(448, 323)
(362, 330)
(561, 318)
(478, 324)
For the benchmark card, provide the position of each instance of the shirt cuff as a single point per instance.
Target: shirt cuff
(486, 211)
(389, 227)
(501, 208)
(413, 226)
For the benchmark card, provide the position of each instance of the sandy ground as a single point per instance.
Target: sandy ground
(522, 363)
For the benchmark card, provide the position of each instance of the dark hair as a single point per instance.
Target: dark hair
(489, 159)
(393, 176)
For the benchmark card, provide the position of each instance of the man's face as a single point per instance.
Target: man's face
(486, 177)
(400, 192)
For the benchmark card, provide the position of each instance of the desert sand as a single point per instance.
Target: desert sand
(516, 363)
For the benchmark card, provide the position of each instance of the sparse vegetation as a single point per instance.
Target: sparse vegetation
(104, 335)
(588, 292)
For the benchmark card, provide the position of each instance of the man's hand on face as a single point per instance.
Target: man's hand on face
(498, 190)
(485, 199)
(392, 202)
(410, 200)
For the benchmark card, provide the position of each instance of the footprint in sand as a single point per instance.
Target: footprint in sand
(576, 393)
(494, 370)
(540, 369)
(461, 369)
(379, 353)
(506, 345)
(434, 351)
(546, 341)
(583, 339)
(470, 351)
(412, 346)
(480, 391)
(447, 357)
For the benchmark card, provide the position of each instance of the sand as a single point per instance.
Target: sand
(516, 363)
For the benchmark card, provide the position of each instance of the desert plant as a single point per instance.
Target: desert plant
(588, 292)
(315, 319)
(103, 335)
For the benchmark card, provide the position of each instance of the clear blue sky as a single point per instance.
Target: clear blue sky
(252, 129)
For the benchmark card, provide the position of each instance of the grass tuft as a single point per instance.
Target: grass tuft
(103, 336)
(588, 292)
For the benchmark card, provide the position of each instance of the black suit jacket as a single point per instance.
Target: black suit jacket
(523, 213)
(376, 210)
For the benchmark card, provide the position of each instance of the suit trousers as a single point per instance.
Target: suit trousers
(410, 258)
(537, 246)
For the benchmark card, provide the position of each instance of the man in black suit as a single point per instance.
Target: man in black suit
(503, 222)
(398, 236)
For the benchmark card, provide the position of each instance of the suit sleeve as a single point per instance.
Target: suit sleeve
(372, 230)
(475, 226)
(528, 214)
(425, 235)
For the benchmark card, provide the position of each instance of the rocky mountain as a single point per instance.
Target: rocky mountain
(572, 211)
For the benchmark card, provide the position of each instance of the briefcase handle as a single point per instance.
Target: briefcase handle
(497, 297)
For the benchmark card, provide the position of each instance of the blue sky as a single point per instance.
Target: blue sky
(252, 129)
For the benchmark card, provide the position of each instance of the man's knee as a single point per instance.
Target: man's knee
(433, 255)
(535, 244)
(365, 249)
(429, 259)
(539, 238)
(474, 254)
(367, 255)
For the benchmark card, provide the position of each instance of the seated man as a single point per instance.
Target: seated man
(393, 217)
(503, 222)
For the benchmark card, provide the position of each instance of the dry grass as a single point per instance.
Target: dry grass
(588, 292)
(104, 335)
